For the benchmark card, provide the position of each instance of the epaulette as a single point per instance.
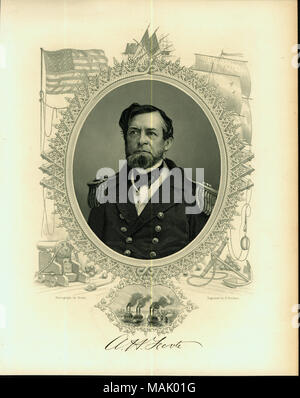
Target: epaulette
(207, 195)
(210, 197)
(93, 186)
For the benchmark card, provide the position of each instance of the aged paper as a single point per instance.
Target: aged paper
(47, 327)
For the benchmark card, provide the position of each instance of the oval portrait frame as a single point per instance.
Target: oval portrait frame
(230, 145)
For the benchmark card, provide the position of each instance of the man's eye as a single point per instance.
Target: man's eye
(132, 132)
(153, 133)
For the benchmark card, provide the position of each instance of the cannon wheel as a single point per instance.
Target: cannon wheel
(53, 281)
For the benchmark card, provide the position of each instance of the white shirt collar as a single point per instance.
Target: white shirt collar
(145, 171)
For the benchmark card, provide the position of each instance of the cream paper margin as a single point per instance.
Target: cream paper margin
(252, 335)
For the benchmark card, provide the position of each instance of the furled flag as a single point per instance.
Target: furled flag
(154, 45)
(145, 42)
(150, 44)
(68, 68)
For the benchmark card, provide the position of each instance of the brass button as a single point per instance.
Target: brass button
(155, 240)
(123, 229)
(157, 228)
(152, 254)
(129, 239)
(160, 214)
(121, 216)
(127, 252)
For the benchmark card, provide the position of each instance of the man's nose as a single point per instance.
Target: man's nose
(144, 139)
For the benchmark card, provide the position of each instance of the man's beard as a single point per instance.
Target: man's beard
(143, 160)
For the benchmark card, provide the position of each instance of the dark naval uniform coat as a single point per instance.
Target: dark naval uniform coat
(160, 230)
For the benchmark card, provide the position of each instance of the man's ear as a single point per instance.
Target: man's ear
(168, 143)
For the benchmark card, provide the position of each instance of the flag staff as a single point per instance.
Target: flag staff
(41, 104)
(41, 68)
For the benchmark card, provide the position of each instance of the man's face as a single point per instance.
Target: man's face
(145, 144)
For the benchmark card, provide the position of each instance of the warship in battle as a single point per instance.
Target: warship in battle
(157, 315)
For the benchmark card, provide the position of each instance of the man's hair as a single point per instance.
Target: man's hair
(137, 109)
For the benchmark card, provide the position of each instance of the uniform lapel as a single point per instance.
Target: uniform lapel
(128, 211)
(150, 212)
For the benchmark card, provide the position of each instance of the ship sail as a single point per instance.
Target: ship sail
(245, 130)
(231, 79)
(226, 66)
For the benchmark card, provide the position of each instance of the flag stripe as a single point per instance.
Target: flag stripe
(62, 82)
(84, 53)
(88, 61)
(70, 76)
(64, 90)
(77, 69)
(86, 67)
(73, 84)
(78, 75)
(76, 52)
(61, 89)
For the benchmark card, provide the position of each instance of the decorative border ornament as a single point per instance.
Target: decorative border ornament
(58, 169)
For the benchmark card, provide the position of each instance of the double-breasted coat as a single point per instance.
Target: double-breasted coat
(160, 230)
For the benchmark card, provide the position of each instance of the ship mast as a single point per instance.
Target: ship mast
(166, 47)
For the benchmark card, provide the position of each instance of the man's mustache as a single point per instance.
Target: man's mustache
(142, 150)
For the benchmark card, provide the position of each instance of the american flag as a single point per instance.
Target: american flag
(68, 68)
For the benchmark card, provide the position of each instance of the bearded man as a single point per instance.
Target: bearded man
(150, 214)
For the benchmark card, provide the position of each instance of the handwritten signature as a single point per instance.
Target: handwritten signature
(124, 343)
